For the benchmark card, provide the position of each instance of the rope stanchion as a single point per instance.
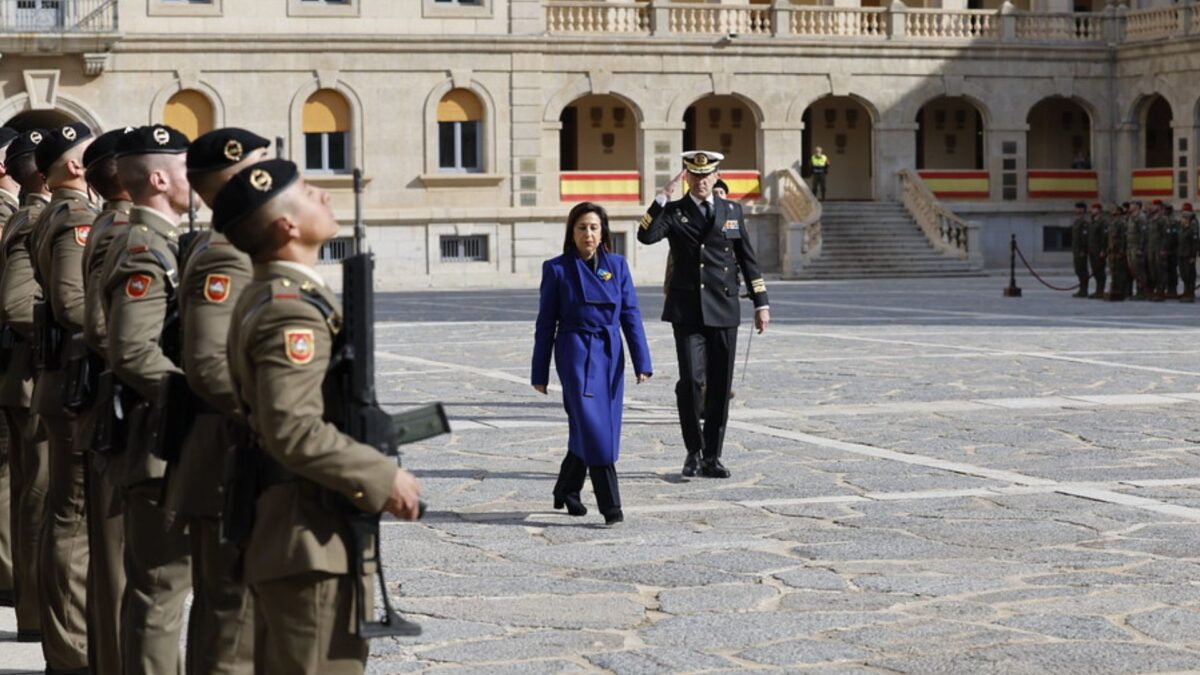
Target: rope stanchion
(1017, 250)
(1013, 291)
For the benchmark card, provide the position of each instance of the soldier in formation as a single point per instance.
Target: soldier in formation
(1079, 248)
(1118, 259)
(1189, 246)
(1097, 249)
(120, 405)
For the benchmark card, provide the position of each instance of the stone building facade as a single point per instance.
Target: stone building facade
(477, 123)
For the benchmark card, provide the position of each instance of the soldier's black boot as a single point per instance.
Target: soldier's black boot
(713, 468)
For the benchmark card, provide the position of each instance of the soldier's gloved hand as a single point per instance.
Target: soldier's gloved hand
(405, 500)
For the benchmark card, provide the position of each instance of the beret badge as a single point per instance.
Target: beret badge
(261, 180)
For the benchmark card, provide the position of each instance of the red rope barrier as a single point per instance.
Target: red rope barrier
(1037, 276)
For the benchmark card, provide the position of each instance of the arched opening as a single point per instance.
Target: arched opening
(1157, 134)
(950, 149)
(842, 127)
(598, 150)
(460, 132)
(326, 124)
(39, 119)
(190, 112)
(950, 135)
(727, 125)
(1059, 151)
(1154, 148)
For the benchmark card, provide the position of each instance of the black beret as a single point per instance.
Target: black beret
(8, 135)
(1080, 205)
(58, 141)
(26, 143)
(720, 184)
(252, 187)
(156, 139)
(104, 146)
(222, 148)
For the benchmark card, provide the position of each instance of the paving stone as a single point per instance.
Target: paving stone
(803, 652)
(716, 598)
(816, 579)
(1069, 658)
(533, 645)
(1069, 627)
(659, 660)
(927, 585)
(1172, 625)
(733, 631)
(535, 611)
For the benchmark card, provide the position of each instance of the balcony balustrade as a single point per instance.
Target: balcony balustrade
(58, 16)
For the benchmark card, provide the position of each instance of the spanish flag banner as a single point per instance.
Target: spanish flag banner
(1153, 182)
(1063, 184)
(600, 186)
(957, 184)
(742, 184)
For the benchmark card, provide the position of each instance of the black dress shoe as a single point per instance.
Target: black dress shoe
(713, 468)
(613, 518)
(574, 506)
(690, 464)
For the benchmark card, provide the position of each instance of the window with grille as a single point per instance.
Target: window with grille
(336, 250)
(618, 240)
(1056, 239)
(472, 248)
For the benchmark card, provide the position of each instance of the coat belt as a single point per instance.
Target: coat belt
(589, 334)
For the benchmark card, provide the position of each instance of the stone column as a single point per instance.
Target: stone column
(1104, 146)
(526, 17)
(894, 147)
(661, 145)
(1126, 140)
(534, 161)
(781, 146)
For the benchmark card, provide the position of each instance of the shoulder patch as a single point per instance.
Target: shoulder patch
(138, 285)
(299, 344)
(216, 287)
(81, 234)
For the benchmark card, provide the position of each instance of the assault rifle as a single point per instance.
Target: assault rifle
(363, 419)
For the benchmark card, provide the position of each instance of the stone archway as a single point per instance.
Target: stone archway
(39, 119)
(844, 129)
(950, 135)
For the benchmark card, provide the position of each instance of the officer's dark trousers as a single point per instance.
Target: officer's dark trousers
(818, 185)
(1187, 270)
(706, 356)
(1171, 274)
(1099, 270)
(8, 511)
(31, 477)
(106, 568)
(604, 482)
(1081, 271)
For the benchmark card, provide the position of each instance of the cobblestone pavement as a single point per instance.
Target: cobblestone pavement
(927, 477)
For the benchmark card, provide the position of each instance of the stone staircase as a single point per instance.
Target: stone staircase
(878, 239)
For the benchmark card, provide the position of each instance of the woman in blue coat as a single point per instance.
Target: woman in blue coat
(587, 301)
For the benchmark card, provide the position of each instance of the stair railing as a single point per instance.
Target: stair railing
(948, 233)
(800, 236)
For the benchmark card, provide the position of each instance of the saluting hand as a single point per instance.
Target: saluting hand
(672, 186)
(405, 500)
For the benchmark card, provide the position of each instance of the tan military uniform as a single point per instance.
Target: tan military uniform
(220, 626)
(57, 243)
(156, 548)
(106, 536)
(30, 471)
(296, 559)
(8, 514)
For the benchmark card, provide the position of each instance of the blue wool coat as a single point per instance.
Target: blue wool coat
(581, 316)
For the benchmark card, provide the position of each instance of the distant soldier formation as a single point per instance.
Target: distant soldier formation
(125, 401)
(1135, 252)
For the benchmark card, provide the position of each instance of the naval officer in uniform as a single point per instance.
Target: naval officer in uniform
(709, 242)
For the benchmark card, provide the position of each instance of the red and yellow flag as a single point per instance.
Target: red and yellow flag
(957, 184)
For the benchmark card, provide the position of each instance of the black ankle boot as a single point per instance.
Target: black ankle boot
(574, 506)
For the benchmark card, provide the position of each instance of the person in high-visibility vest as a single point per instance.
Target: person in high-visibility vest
(820, 168)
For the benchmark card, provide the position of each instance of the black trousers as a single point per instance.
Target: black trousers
(604, 482)
(818, 185)
(706, 357)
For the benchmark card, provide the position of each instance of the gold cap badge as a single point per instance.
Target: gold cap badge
(233, 150)
(69, 133)
(261, 180)
(161, 136)
(36, 137)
